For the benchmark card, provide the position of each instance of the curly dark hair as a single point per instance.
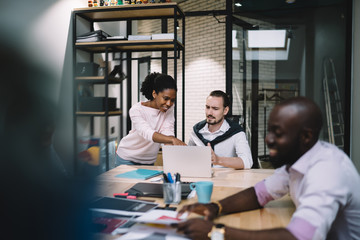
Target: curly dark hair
(158, 82)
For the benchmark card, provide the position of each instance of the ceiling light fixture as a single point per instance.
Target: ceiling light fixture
(238, 4)
(290, 1)
(267, 38)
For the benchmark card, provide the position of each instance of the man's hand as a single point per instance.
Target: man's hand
(196, 228)
(214, 157)
(209, 211)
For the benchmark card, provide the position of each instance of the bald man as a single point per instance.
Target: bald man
(320, 178)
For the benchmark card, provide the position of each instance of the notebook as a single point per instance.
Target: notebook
(155, 190)
(189, 161)
(121, 206)
(140, 174)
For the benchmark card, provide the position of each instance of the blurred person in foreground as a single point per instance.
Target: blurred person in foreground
(320, 178)
(38, 199)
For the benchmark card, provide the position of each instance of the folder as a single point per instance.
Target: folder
(142, 174)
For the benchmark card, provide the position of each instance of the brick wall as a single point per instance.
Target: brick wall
(204, 58)
(205, 65)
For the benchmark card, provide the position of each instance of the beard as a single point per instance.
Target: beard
(286, 154)
(277, 162)
(213, 121)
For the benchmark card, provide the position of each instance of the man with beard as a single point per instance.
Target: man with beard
(226, 138)
(320, 178)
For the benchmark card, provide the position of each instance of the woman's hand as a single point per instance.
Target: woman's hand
(176, 141)
(168, 140)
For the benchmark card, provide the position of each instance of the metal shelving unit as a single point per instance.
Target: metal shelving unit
(126, 13)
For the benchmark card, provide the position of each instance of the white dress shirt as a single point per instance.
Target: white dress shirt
(325, 187)
(235, 146)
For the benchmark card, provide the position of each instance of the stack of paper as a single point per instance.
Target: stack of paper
(112, 223)
(138, 219)
(155, 224)
(116, 38)
(157, 216)
(165, 36)
(139, 37)
(117, 215)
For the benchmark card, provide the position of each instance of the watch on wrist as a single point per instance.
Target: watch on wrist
(218, 207)
(217, 232)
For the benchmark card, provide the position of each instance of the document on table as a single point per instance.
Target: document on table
(155, 224)
(158, 216)
(111, 223)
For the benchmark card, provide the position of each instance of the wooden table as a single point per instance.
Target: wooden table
(227, 181)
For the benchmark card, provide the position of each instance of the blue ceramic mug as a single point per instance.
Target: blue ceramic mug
(203, 190)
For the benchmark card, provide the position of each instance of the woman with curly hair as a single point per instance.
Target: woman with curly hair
(152, 122)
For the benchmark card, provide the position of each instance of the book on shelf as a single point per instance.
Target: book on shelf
(139, 37)
(90, 39)
(92, 36)
(169, 36)
(116, 38)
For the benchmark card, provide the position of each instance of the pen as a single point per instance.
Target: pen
(170, 178)
(165, 178)
(121, 194)
(177, 177)
(128, 197)
(124, 195)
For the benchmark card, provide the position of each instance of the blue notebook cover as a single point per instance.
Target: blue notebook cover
(140, 174)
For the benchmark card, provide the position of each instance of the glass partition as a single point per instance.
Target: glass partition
(281, 50)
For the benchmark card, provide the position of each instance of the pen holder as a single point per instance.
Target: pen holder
(172, 193)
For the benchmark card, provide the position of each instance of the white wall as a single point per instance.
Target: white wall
(42, 32)
(355, 109)
(40, 29)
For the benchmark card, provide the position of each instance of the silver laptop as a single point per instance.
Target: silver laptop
(189, 161)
